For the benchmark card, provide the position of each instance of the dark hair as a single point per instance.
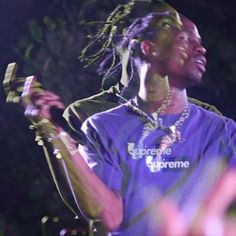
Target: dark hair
(116, 43)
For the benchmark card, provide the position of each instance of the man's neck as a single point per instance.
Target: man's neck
(155, 90)
(178, 102)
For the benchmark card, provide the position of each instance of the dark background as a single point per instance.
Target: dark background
(27, 192)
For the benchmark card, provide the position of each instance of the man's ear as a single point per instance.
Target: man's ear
(148, 48)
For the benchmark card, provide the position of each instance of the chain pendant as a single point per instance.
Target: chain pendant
(169, 139)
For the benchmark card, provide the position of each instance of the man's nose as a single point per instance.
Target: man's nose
(200, 49)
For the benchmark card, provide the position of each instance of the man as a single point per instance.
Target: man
(155, 149)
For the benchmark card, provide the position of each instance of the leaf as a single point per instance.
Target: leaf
(35, 30)
(51, 25)
(28, 50)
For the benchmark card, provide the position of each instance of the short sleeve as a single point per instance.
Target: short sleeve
(231, 130)
(97, 152)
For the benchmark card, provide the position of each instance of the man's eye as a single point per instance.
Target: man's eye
(166, 25)
(183, 37)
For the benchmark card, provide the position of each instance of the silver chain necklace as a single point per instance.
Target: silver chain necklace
(154, 122)
(172, 135)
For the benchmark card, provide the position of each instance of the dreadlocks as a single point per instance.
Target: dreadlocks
(118, 41)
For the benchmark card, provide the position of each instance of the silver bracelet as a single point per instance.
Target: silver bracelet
(65, 139)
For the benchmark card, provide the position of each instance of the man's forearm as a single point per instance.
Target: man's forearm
(95, 198)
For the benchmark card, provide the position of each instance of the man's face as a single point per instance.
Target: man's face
(185, 60)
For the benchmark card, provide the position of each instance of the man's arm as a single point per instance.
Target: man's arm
(94, 197)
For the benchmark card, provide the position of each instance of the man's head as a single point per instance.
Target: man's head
(150, 20)
(161, 36)
(177, 53)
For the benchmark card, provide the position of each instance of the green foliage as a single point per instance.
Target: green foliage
(51, 25)
(51, 48)
(35, 31)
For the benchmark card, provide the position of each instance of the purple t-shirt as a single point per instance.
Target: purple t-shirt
(186, 171)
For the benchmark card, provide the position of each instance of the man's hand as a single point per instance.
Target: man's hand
(212, 219)
(39, 105)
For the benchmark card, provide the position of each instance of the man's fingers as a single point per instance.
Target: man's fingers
(49, 103)
(173, 222)
(44, 95)
(39, 104)
(31, 111)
